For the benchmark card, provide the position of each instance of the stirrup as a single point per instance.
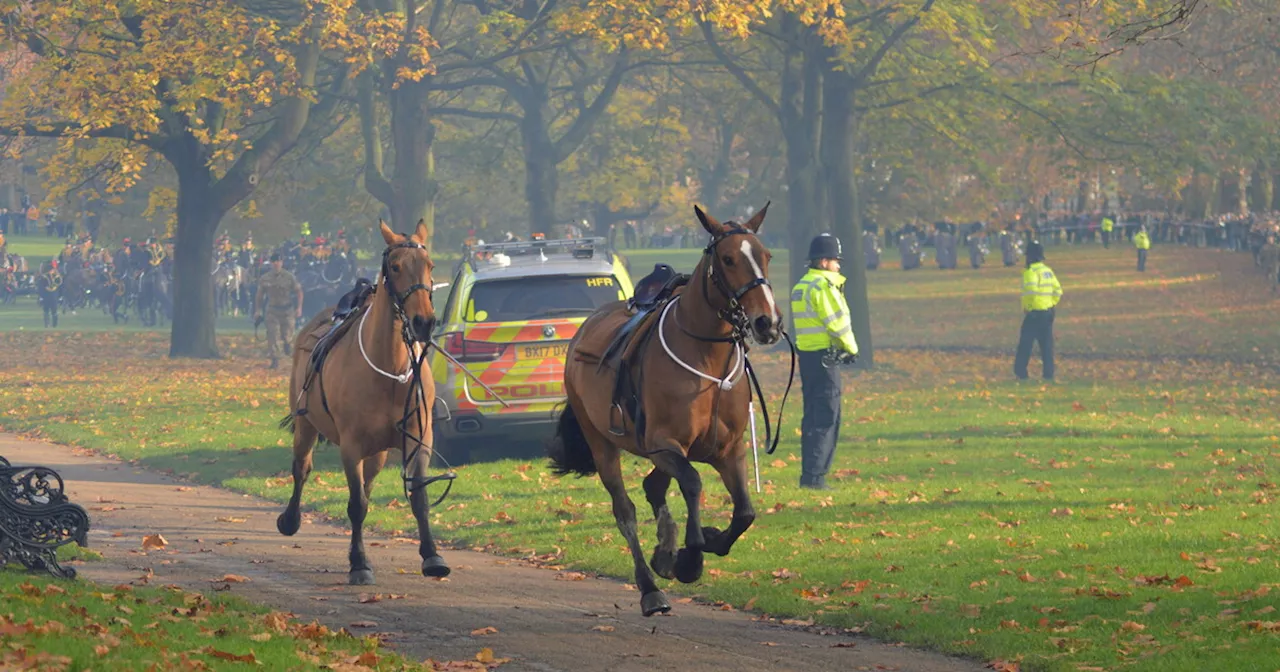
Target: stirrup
(619, 428)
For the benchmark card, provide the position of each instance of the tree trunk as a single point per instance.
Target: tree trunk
(541, 174)
(413, 184)
(799, 117)
(192, 333)
(1260, 186)
(838, 175)
(716, 178)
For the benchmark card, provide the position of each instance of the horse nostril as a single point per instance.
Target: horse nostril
(763, 324)
(422, 327)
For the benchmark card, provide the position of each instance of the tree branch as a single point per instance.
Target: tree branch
(873, 63)
(577, 132)
(476, 114)
(375, 181)
(736, 70)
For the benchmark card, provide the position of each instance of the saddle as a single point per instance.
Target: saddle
(348, 307)
(653, 292)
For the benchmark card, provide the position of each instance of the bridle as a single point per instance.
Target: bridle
(733, 313)
(398, 298)
(411, 444)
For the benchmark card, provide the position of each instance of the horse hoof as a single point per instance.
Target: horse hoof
(688, 565)
(714, 541)
(434, 567)
(664, 564)
(654, 603)
(289, 524)
(360, 577)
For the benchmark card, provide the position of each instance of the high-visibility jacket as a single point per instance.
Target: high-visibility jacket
(821, 314)
(1107, 224)
(306, 228)
(1040, 288)
(1141, 240)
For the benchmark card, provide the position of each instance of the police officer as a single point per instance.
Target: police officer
(1041, 292)
(283, 295)
(1142, 242)
(825, 339)
(1108, 225)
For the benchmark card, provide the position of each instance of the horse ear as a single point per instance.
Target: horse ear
(757, 219)
(711, 224)
(421, 233)
(387, 234)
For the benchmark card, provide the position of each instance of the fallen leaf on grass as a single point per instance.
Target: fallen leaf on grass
(602, 628)
(231, 578)
(224, 655)
(369, 598)
(231, 519)
(486, 656)
(571, 576)
(486, 630)
(260, 637)
(364, 624)
(154, 542)
(1131, 626)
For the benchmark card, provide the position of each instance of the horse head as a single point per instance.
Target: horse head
(737, 265)
(406, 272)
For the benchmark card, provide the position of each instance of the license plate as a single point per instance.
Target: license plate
(544, 351)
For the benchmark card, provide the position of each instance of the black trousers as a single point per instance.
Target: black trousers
(1142, 260)
(1037, 326)
(820, 427)
(1106, 240)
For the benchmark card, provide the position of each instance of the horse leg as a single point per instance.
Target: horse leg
(672, 461)
(664, 556)
(733, 471)
(432, 564)
(372, 465)
(357, 507)
(304, 440)
(652, 600)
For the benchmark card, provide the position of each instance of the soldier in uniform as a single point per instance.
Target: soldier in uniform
(977, 248)
(283, 295)
(49, 286)
(1269, 261)
(1008, 247)
(909, 250)
(871, 248)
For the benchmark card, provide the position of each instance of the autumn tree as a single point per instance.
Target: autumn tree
(220, 90)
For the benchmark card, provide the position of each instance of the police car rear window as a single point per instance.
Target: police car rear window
(537, 298)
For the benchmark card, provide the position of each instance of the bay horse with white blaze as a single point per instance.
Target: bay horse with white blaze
(691, 400)
(366, 391)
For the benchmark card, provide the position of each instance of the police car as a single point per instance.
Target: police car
(511, 311)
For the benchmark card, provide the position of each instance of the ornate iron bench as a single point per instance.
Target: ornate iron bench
(36, 518)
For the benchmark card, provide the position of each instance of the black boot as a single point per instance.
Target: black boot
(275, 363)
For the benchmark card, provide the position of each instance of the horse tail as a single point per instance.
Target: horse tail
(287, 423)
(569, 451)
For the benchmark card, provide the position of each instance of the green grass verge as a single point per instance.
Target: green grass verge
(1122, 519)
(61, 625)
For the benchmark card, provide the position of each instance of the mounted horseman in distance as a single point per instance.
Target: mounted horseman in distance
(673, 388)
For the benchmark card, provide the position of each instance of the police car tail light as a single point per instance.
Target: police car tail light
(472, 351)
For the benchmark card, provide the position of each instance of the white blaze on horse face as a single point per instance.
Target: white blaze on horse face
(768, 293)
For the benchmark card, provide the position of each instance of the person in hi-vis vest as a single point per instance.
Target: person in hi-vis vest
(824, 339)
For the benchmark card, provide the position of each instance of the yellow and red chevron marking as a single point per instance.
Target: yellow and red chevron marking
(513, 332)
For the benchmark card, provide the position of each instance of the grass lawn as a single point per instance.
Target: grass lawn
(61, 625)
(1121, 519)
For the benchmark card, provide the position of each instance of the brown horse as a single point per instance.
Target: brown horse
(693, 398)
(367, 385)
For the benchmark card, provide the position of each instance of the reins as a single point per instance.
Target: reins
(736, 317)
(416, 401)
